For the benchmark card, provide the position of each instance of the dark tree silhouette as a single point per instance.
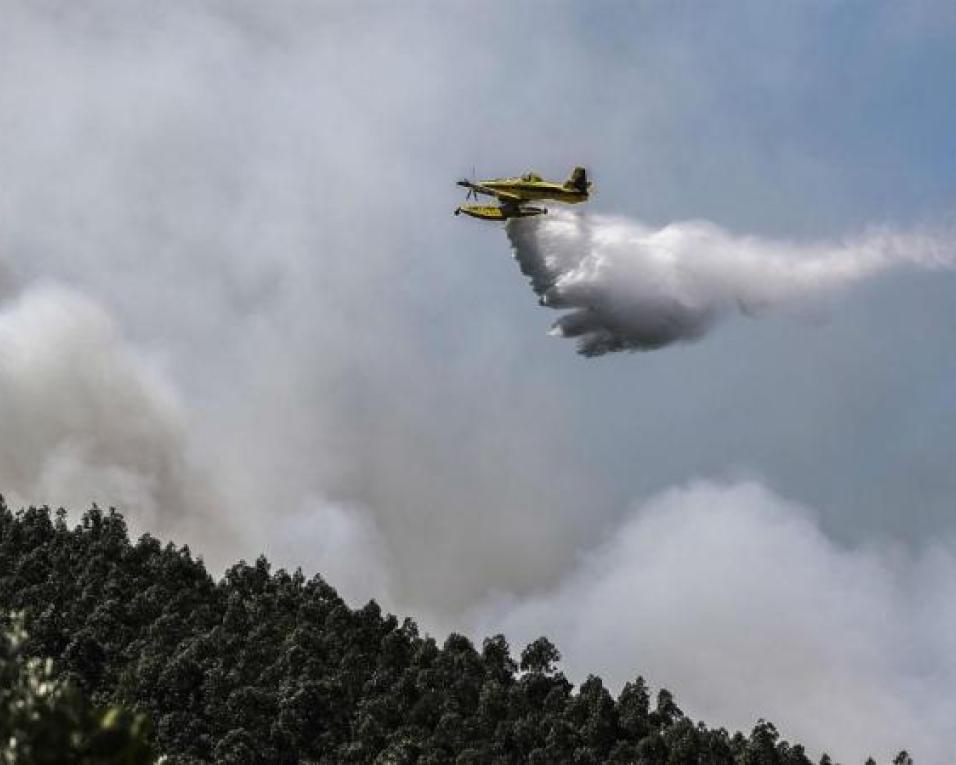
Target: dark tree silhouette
(266, 666)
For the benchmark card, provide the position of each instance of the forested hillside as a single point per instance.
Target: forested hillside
(266, 666)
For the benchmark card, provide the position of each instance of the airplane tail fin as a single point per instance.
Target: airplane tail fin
(578, 180)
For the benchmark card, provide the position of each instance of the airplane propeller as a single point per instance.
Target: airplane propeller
(472, 194)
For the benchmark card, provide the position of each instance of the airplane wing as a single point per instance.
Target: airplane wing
(504, 196)
(501, 196)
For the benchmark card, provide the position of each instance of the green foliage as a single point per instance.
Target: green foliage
(266, 666)
(46, 720)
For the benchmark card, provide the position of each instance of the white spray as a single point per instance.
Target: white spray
(630, 287)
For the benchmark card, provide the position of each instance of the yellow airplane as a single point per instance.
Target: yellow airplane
(512, 193)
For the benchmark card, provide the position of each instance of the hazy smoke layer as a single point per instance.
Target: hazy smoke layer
(735, 600)
(629, 287)
(89, 418)
(209, 177)
(85, 419)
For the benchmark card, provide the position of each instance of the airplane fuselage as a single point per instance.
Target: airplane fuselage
(536, 190)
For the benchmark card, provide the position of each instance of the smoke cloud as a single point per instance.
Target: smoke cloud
(733, 598)
(243, 225)
(629, 287)
(88, 419)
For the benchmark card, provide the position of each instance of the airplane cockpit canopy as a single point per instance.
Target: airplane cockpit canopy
(532, 176)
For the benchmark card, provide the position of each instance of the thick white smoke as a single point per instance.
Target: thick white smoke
(630, 287)
(213, 176)
(733, 599)
(88, 419)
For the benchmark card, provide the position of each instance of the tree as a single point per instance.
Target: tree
(540, 656)
(46, 720)
(633, 707)
(264, 666)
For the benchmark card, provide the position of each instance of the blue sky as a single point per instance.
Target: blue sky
(802, 121)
